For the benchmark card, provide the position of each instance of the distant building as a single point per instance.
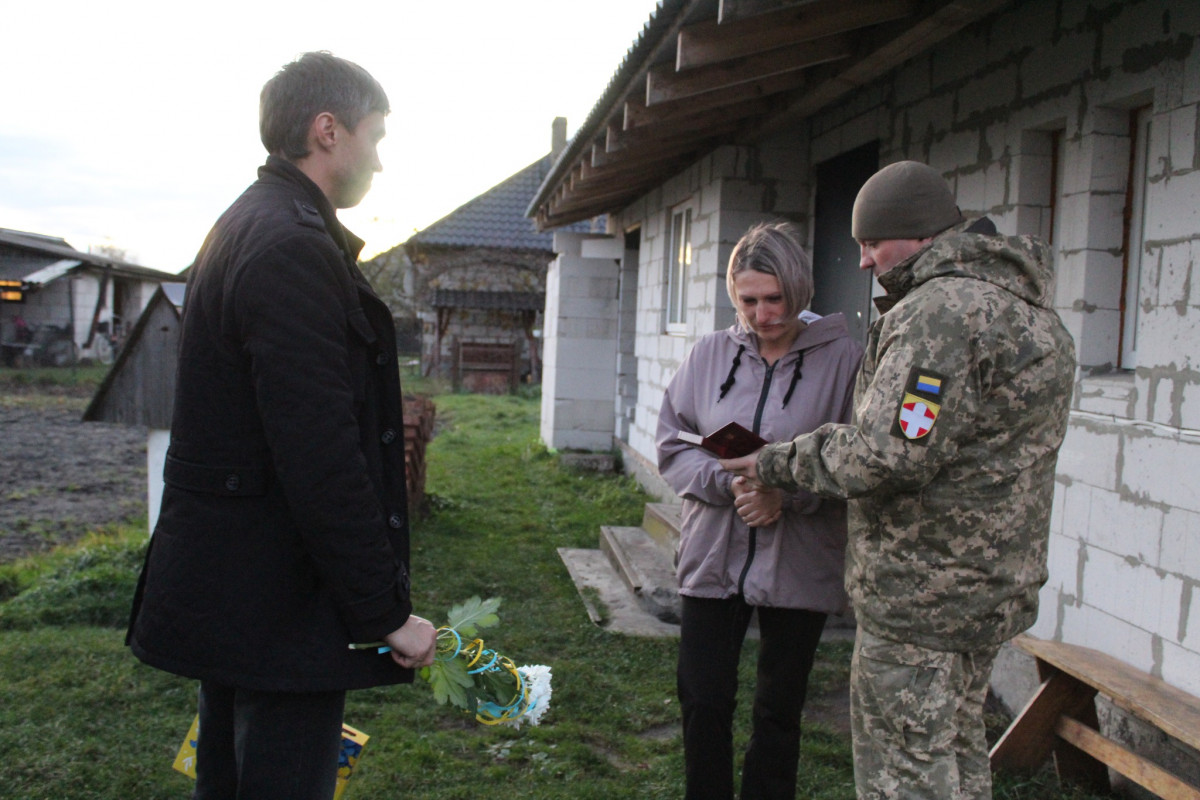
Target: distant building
(477, 276)
(64, 304)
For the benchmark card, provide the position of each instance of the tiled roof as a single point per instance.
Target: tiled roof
(497, 218)
(503, 301)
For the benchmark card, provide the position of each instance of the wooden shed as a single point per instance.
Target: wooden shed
(140, 387)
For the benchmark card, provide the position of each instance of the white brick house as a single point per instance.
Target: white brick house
(1076, 120)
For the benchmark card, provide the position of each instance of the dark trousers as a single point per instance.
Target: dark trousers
(267, 745)
(710, 645)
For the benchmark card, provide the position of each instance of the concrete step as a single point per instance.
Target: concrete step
(629, 584)
(662, 521)
(607, 598)
(647, 570)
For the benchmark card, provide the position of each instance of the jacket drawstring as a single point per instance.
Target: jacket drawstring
(729, 379)
(795, 378)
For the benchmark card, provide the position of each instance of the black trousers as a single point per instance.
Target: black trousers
(710, 645)
(267, 745)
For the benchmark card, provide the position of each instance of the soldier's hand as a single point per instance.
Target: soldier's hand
(744, 466)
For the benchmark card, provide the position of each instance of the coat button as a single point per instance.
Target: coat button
(388, 436)
(382, 359)
(396, 522)
(232, 483)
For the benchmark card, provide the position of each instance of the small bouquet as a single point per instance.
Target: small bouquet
(479, 680)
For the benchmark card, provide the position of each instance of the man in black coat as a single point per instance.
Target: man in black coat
(283, 536)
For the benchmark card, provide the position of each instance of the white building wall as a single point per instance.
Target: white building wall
(580, 357)
(1043, 90)
(988, 107)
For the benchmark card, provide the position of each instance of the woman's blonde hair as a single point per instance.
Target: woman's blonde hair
(773, 248)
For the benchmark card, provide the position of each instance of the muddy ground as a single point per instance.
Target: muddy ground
(61, 477)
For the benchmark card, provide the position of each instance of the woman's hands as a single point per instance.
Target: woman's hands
(757, 505)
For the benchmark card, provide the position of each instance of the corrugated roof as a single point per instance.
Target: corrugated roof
(496, 218)
(55, 249)
(52, 272)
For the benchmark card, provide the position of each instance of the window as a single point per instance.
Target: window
(679, 268)
(1057, 168)
(1133, 236)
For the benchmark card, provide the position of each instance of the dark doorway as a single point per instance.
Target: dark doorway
(627, 369)
(840, 285)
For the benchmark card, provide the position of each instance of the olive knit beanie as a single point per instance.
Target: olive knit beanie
(905, 200)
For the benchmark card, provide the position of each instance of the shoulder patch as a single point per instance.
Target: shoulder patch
(308, 215)
(920, 404)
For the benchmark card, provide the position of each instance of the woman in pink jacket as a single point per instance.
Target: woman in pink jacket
(779, 371)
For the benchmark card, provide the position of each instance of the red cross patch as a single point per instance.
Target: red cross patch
(917, 416)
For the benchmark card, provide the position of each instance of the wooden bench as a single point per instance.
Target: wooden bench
(1060, 719)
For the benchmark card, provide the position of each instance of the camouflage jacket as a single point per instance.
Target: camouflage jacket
(960, 408)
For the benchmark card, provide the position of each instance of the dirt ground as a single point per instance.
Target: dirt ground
(61, 477)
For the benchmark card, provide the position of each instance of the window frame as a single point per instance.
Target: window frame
(678, 262)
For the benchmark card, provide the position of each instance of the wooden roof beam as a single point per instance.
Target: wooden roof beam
(646, 155)
(730, 10)
(687, 125)
(638, 114)
(710, 42)
(597, 202)
(664, 84)
(893, 47)
(645, 140)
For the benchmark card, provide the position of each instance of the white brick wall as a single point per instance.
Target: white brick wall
(1124, 566)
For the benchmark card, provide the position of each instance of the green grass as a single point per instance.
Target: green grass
(78, 379)
(81, 718)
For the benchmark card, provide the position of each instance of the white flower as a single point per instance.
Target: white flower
(537, 679)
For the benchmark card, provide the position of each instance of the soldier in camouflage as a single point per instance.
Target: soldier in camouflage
(961, 405)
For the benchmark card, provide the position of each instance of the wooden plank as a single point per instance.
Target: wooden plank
(1071, 763)
(731, 10)
(1030, 738)
(664, 84)
(648, 153)
(892, 47)
(601, 201)
(690, 126)
(711, 42)
(1138, 769)
(1172, 710)
(637, 113)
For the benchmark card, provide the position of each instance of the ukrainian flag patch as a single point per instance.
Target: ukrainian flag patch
(920, 404)
(928, 383)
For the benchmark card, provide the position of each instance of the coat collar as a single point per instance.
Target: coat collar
(282, 169)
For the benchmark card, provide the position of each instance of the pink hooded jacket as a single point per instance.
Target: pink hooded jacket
(798, 561)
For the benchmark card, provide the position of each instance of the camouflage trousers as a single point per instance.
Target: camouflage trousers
(916, 717)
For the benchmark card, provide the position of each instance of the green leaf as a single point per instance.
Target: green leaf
(499, 687)
(471, 615)
(450, 681)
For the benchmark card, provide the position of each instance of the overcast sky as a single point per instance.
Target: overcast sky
(134, 124)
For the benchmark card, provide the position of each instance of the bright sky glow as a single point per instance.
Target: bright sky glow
(135, 123)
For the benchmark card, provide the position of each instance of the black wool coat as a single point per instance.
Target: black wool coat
(283, 534)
